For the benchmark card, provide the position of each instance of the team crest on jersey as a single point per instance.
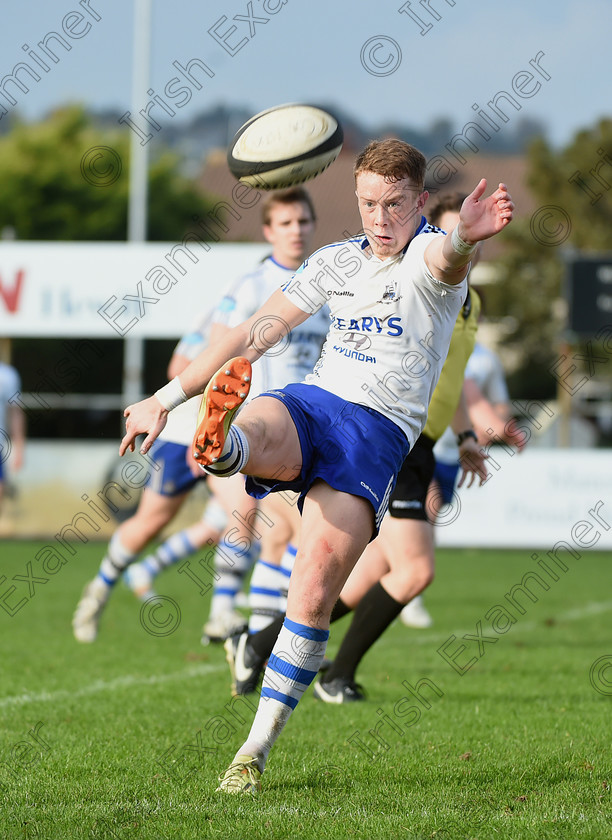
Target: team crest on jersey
(389, 295)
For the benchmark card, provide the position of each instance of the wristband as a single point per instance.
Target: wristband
(171, 394)
(469, 433)
(459, 245)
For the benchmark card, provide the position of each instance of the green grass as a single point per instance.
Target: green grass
(516, 747)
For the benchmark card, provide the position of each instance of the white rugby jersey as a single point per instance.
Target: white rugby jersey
(391, 325)
(10, 385)
(294, 357)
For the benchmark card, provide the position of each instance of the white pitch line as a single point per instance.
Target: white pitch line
(576, 614)
(128, 681)
(100, 685)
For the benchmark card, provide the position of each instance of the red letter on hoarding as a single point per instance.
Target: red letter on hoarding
(11, 296)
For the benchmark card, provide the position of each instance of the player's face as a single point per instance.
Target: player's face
(390, 212)
(289, 232)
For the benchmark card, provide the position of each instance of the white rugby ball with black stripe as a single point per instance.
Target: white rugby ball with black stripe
(284, 146)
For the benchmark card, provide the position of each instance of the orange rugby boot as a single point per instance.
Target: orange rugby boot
(224, 395)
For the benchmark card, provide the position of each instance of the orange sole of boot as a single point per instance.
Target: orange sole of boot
(224, 394)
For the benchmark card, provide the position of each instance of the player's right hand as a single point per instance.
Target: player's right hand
(148, 417)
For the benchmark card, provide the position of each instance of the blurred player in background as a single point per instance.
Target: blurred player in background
(12, 425)
(173, 475)
(288, 219)
(229, 513)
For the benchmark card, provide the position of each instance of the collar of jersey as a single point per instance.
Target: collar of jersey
(280, 265)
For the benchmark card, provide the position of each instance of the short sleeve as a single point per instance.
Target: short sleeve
(307, 288)
(416, 253)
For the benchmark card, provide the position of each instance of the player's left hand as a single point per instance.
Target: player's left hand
(481, 218)
(147, 416)
(472, 460)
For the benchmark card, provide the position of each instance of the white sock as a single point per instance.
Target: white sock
(266, 594)
(115, 561)
(293, 665)
(234, 455)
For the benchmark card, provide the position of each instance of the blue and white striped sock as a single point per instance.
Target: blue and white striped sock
(267, 596)
(174, 549)
(234, 455)
(232, 563)
(293, 665)
(115, 561)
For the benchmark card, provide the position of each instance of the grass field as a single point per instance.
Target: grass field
(507, 738)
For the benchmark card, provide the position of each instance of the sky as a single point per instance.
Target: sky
(408, 62)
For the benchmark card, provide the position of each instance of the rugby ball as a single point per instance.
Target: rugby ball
(284, 146)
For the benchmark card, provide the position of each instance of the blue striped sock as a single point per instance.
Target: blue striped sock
(115, 561)
(293, 665)
(171, 551)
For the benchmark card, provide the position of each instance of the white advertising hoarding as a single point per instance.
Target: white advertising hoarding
(110, 290)
(535, 500)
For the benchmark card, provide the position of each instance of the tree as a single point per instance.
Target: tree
(573, 188)
(65, 179)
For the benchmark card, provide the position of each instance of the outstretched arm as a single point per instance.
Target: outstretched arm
(277, 317)
(480, 218)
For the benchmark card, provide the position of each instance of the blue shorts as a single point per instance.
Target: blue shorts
(174, 477)
(446, 475)
(352, 448)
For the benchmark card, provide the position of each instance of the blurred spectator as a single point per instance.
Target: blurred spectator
(12, 425)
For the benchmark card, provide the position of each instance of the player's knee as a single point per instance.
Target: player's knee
(427, 575)
(422, 572)
(412, 578)
(152, 522)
